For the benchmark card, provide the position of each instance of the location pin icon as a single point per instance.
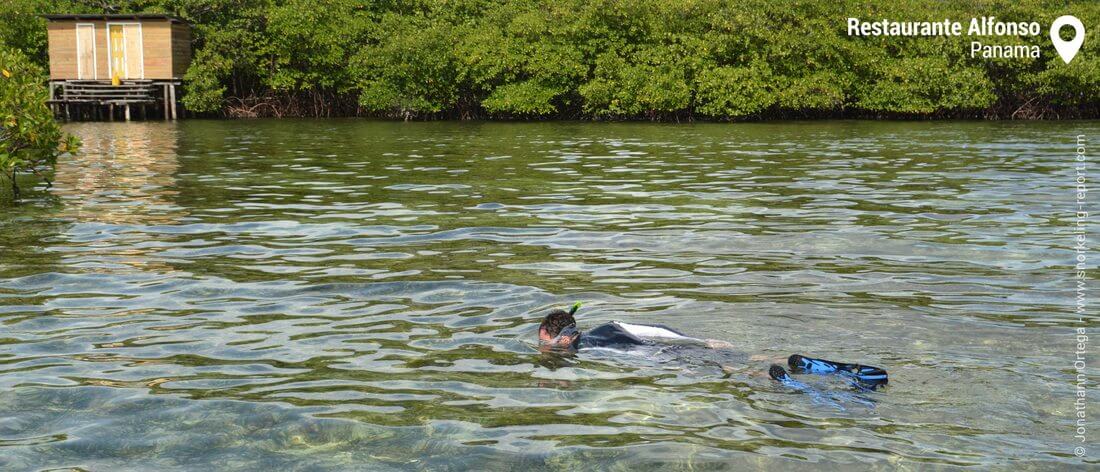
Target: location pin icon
(1067, 49)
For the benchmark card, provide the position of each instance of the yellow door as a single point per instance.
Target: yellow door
(85, 51)
(118, 51)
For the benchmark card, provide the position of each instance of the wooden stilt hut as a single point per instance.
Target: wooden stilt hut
(101, 66)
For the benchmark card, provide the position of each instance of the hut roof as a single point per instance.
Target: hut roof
(117, 16)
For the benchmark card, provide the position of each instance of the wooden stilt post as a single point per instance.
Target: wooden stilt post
(111, 112)
(127, 112)
(164, 102)
(65, 102)
(172, 95)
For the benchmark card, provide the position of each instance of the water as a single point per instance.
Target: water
(359, 295)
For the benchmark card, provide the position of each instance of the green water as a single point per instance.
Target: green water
(311, 295)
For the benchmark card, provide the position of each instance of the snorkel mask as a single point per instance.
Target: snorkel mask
(568, 337)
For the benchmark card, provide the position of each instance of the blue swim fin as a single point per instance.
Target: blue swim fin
(864, 376)
(816, 396)
(778, 374)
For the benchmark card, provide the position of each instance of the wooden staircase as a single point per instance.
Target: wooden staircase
(90, 96)
(92, 91)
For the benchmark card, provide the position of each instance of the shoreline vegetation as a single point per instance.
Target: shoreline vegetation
(30, 138)
(659, 60)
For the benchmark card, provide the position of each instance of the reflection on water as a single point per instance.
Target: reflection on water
(125, 174)
(348, 294)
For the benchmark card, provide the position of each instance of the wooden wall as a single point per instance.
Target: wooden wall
(166, 48)
(156, 38)
(62, 38)
(181, 48)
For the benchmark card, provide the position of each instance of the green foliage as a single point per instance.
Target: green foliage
(719, 59)
(623, 88)
(735, 91)
(523, 98)
(413, 68)
(23, 29)
(30, 139)
(925, 85)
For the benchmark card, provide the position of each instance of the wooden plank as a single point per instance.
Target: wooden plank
(85, 53)
(96, 93)
(157, 41)
(101, 99)
(104, 100)
(107, 83)
(104, 85)
(130, 87)
(62, 49)
(137, 88)
(120, 90)
(103, 58)
(107, 99)
(172, 99)
(77, 96)
(106, 93)
(127, 83)
(181, 49)
(103, 93)
(142, 91)
(98, 96)
(135, 55)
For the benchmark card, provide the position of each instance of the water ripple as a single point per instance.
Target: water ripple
(350, 294)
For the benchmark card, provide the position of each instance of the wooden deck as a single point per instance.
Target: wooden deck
(97, 99)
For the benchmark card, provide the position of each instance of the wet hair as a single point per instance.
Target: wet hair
(556, 321)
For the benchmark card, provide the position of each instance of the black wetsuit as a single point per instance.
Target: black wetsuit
(615, 335)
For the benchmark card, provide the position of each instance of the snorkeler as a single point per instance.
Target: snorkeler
(558, 333)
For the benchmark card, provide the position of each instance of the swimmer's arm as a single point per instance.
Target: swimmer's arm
(717, 344)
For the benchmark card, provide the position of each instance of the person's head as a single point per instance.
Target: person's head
(558, 331)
